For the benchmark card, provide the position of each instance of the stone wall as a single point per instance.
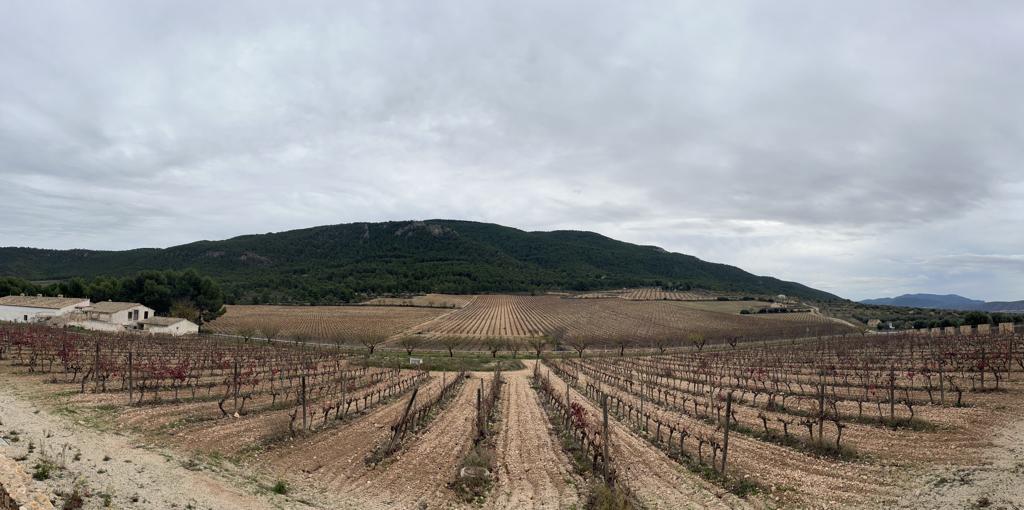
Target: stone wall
(16, 491)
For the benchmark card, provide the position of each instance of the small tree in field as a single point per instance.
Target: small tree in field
(371, 341)
(621, 342)
(579, 343)
(514, 346)
(301, 338)
(246, 331)
(660, 342)
(558, 336)
(450, 343)
(409, 343)
(538, 343)
(698, 341)
(269, 330)
(494, 346)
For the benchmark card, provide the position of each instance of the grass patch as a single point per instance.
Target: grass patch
(435, 362)
(43, 470)
(280, 487)
(74, 501)
(601, 497)
(102, 418)
(473, 479)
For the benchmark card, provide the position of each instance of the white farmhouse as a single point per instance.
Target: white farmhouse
(118, 313)
(169, 326)
(38, 308)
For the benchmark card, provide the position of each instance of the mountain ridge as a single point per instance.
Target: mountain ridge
(336, 263)
(947, 302)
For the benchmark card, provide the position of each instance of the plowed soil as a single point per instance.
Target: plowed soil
(532, 471)
(657, 480)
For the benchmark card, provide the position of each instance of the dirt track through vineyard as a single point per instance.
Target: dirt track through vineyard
(532, 471)
(659, 482)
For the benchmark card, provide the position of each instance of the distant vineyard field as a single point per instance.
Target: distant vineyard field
(324, 322)
(648, 294)
(527, 316)
(605, 321)
(428, 300)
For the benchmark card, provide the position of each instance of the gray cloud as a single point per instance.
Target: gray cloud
(869, 148)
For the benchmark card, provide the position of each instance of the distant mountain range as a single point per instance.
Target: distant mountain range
(947, 302)
(337, 263)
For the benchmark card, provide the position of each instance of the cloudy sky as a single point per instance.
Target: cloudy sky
(868, 149)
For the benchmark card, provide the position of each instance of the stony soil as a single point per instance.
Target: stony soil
(100, 464)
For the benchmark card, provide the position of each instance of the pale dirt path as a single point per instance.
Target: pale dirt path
(658, 481)
(157, 478)
(419, 473)
(532, 470)
(996, 481)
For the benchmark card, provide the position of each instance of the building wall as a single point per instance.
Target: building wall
(181, 328)
(127, 317)
(17, 313)
(92, 325)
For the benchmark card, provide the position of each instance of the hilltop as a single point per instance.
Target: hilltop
(336, 263)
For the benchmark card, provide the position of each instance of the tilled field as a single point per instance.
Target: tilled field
(318, 426)
(519, 317)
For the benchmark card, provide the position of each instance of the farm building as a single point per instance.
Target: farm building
(115, 312)
(169, 326)
(38, 308)
(111, 316)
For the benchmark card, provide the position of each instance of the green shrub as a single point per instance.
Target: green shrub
(281, 487)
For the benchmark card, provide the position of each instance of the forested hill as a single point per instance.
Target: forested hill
(337, 262)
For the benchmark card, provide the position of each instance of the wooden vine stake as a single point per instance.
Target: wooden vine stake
(728, 424)
(604, 434)
(131, 375)
(408, 407)
(305, 425)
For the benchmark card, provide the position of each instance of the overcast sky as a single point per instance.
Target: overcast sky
(864, 148)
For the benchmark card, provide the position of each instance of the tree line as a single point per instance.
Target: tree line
(184, 294)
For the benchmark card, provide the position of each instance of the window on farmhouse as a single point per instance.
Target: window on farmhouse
(145, 315)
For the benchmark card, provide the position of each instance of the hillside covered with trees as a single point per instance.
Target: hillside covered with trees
(341, 263)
